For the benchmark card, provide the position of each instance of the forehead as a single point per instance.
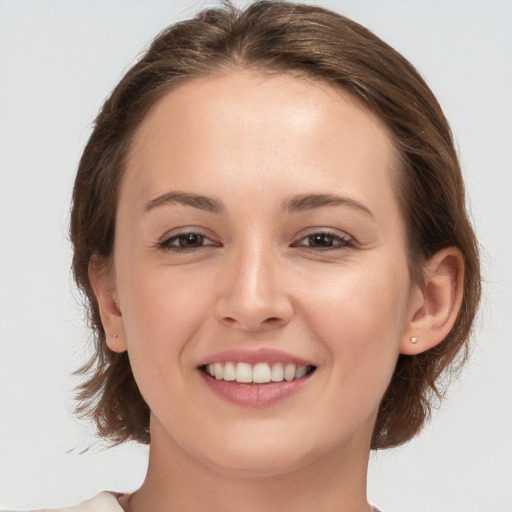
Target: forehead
(292, 97)
(259, 129)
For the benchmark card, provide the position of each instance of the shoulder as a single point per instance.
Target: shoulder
(104, 502)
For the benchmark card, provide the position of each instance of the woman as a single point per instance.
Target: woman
(269, 225)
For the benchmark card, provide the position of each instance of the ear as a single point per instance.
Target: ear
(102, 279)
(435, 303)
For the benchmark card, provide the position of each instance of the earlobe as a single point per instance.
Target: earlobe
(435, 303)
(103, 284)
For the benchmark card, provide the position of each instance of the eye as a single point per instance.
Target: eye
(187, 241)
(325, 240)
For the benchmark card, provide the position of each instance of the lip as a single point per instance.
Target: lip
(254, 395)
(254, 356)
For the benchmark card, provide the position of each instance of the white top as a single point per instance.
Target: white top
(104, 502)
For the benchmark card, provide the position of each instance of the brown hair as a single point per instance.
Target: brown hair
(282, 37)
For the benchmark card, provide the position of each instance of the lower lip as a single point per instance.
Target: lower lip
(254, 395)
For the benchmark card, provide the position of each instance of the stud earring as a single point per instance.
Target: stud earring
(414, 339)
(114, 335)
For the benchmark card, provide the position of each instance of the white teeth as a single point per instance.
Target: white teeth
(219, 371)
(243, 372)
(277, 374)
(289, 372)
(229, 371)
(300, 372)
(260, 373)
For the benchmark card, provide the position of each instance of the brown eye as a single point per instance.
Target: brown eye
(189, 240)
(321, 240)
(325, 240)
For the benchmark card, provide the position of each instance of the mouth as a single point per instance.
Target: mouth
(258, 379)
(260, 373)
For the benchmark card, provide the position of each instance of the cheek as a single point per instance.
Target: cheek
(358, 298)
(162, 312)
(359, 322)
(359, 316)
(162, 309)
(162, 306)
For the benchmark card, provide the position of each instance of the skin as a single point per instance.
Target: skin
(344, 303)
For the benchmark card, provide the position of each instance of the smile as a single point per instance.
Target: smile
(259, 373)
(256, 377)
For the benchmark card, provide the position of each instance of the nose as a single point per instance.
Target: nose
(254, 296)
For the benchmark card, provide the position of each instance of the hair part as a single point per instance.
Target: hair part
(309, 41)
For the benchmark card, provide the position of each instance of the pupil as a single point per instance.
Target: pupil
(190, 239)
(322, 239)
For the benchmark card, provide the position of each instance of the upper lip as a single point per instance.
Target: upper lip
(254, 356)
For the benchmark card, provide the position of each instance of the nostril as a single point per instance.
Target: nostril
(267, 323)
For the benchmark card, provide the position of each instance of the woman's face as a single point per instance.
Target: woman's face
(259, 235)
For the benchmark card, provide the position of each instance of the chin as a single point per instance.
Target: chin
(263, 456)
(252, 465)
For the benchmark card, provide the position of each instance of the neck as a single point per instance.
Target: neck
(177, 481)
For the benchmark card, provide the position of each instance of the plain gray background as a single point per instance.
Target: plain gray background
(58, 61)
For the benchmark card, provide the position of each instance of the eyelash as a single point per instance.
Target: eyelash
(342, 242)
(167, 244)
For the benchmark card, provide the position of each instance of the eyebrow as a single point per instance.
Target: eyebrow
(299, 203)
(187, 199)
(305, 202)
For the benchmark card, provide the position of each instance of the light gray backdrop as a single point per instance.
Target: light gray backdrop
(58, 61)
